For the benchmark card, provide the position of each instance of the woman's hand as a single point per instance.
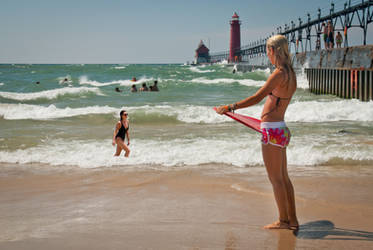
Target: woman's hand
(113, 143)
(222, 109)
(128, 143)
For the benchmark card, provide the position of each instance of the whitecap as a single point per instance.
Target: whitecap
(246, 82)
(239, 151)
(198, 70)
(49, 94)
(86, 81)
(36, 112)
(330, 111)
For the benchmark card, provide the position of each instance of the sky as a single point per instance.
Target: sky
(138, 31)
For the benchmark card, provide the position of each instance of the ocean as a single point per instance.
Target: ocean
(70, 123)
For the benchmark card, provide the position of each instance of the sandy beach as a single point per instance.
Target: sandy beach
(44, 207)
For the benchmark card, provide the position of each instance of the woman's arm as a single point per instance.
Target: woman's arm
(116, 129)
(276, 78)
(128, 134)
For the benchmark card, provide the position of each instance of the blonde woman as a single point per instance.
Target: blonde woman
(278, 91)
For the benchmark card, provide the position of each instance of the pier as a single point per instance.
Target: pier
(345, 72)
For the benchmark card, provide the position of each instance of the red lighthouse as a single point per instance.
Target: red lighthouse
(235, 42)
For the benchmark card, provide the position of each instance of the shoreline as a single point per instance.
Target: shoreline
(178, 209)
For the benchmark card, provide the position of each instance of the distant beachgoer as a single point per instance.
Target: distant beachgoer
(339, 39)
(155, 86)
(117, 89)
(134, 79)
(318, 44)
(37, 82)
(65, 80)
(278, 89)
(133, 88)
(325, 35)
(144, 87)
(120, 133)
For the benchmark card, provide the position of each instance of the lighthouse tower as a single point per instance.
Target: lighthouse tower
(235, 41)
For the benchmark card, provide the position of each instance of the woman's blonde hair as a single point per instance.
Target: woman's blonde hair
(279, 44)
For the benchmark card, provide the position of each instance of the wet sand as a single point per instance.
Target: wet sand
(46, 207)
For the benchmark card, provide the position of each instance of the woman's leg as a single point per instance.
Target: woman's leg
(291, 211)
(118, 150)
(273, 160)
(123, 146)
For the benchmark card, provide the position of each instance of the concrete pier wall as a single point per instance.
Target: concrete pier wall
(345, 72)
(343, 58)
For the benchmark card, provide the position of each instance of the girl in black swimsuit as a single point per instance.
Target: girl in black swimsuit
(120, 132)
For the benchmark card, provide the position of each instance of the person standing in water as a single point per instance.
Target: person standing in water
(155, 86)
(133, 88)
(144, 87)
(120, 133)
(278, 89)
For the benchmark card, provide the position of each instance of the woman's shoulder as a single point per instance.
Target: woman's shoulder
(281, 74)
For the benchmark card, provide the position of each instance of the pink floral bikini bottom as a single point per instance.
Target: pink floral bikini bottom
(275, 133)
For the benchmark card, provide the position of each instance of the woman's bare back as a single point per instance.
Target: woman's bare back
(277, 102)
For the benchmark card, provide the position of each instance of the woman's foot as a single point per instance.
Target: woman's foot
(278, 225)
(294, 225)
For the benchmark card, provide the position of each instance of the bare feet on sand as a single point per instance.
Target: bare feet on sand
(294, 225)
(278, 225)
(283, 224)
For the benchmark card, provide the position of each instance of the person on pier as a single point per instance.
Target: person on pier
(325, 35)
(330, 38)
(339, 40)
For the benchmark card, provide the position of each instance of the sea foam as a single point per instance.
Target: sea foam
(83, 80)
(307, 111)
(330, 111)
(36, 112)
(198, 70)
(241, 151)
(246, 82)
(49, 94)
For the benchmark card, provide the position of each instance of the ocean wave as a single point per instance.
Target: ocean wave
(302, 81)
(119, 67)
(239, 151)
(84, 80)
(318, 111)
(308, 111)
(246, 82)
(49, 94)
(1, 83)
(198, 70)
(91, 154)
(35, 112)
(265, 72)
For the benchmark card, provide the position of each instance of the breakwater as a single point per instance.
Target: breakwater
(345, 83)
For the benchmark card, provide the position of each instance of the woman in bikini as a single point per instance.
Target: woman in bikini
(279, 90)
(120, 133)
